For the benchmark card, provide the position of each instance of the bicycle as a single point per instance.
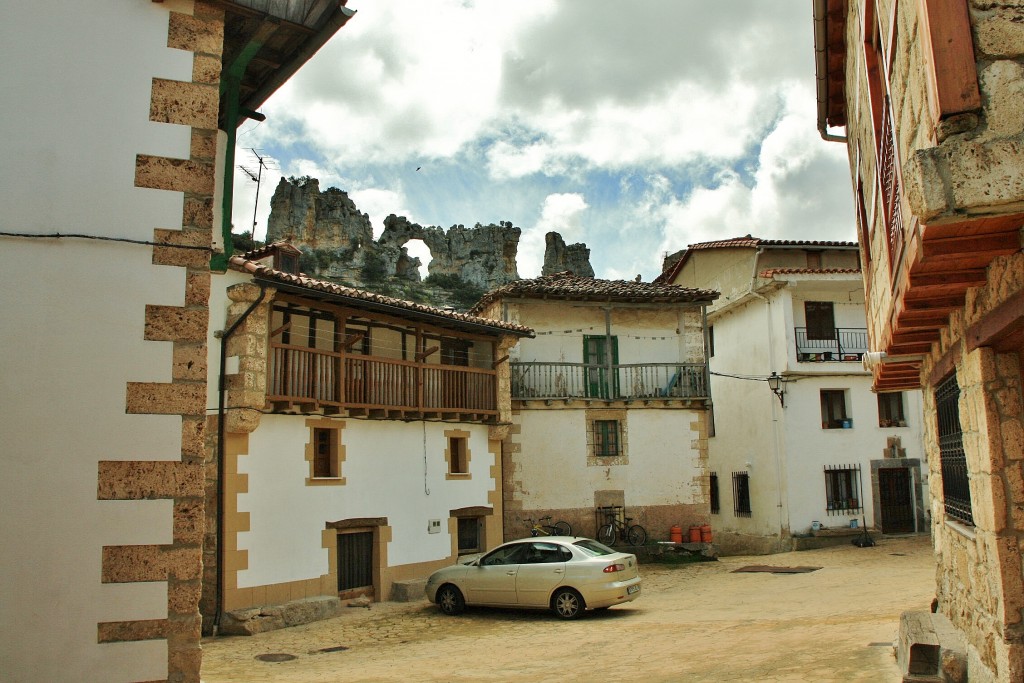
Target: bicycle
(539, 528)
(634, 534)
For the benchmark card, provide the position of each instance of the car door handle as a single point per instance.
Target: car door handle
(559, 571)
(512, 573)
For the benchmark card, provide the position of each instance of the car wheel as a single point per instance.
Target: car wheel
(567, 604)
(450, 600)
(563, 529)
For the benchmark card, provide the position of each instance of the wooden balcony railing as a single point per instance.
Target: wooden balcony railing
(849, 344)
(629, 381)
(334, 380)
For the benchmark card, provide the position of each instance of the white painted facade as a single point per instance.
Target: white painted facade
(784, 450)
(76, 96)
(660, 477)
(392, 469)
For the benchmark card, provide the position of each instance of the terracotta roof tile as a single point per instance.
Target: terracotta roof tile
(575, 288)
(368, 299)
(772, 272)
(750, 242)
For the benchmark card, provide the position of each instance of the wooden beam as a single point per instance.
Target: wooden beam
(946, 33)
(994, 244)
(969, 278)
(286, 326)
(356, 338)
(499, 361)
(1001, 326)
(426, 353)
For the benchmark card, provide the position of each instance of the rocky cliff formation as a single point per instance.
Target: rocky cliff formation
(337, 243)
(560, 257)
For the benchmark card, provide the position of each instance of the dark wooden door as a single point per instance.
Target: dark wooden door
(355, 560)
(896, 502)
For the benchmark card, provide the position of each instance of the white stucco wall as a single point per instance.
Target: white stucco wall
(392, 469)
(552, 464)
(75, 113)
(784, 449)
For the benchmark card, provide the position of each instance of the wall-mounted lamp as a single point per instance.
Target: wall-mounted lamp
(775, 384)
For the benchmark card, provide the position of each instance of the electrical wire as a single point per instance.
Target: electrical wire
(103, 238)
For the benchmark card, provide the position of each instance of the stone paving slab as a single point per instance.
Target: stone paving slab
(694, 622)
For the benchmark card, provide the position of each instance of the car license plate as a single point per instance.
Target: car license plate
(635, 588)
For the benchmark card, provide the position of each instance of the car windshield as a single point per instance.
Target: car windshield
(593, 548)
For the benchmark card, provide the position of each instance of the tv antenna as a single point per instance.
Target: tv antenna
(263, 161)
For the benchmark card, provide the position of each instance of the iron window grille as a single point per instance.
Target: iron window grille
(741, 494)
(606, 438)
(843, 489)
(956, 488)
(715, 501)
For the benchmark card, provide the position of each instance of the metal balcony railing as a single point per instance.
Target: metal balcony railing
(848, 344)
(535, 380)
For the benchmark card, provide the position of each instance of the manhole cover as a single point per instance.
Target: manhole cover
(276, 657)
(336, 648)
(898, 554)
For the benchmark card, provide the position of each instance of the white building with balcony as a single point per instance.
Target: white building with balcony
(822, 452)
(609, 403)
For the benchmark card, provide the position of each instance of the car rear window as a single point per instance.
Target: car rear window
(593, 548)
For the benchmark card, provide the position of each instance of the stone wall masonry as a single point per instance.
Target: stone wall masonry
(179, 563)
(980, 574)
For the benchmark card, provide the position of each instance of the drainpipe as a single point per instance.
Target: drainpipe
(821, 70)
(783, 521)
(221, 421)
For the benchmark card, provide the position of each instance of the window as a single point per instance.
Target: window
(606, 438)
(956, 485)
(469, 534)
(325, 452)
(833, 410)
(324, 462)
(457, 454)
(454, 352)
(814, 260)
(842, 489)
(715, 502)
(890, 410)
(741, 494)
(711, 341)
(820, 319)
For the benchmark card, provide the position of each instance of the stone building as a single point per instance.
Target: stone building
(928, 97)
(117, 118)
(357, 442)
(609, 403)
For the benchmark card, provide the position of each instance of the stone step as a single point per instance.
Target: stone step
(930, 649)
(409, 590)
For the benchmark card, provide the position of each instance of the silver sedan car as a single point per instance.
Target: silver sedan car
(565, 574)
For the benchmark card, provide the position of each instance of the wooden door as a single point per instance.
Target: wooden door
(897, 505)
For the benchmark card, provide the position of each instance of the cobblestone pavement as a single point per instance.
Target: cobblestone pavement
(694, 622)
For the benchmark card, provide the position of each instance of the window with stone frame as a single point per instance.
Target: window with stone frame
(607, 437)
(457, 454)
(325, 452)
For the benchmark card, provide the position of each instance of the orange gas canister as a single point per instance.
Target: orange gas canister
(705, 533)
(694, 534)
(676, 534)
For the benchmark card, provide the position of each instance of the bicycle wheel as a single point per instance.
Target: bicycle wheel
(606, 534)
(636, 535)
(562, 528)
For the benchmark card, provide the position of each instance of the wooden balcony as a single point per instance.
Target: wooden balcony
(312, 380)
(531, 381)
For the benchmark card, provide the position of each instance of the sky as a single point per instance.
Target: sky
(635, 127)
